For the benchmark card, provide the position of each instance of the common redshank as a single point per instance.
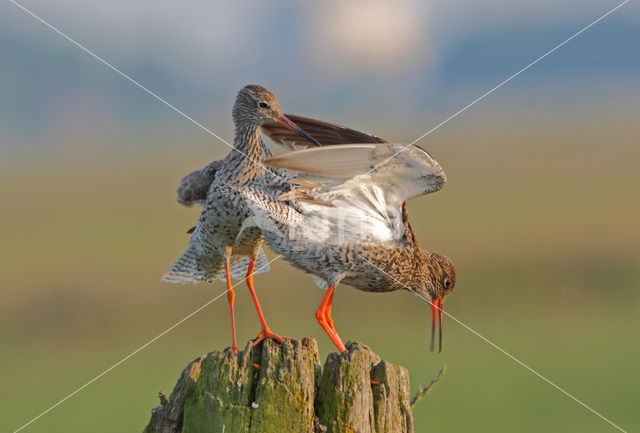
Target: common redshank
(345, 220)
(219, 246)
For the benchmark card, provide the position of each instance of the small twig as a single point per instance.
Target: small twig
(163, 399)
(427, 389)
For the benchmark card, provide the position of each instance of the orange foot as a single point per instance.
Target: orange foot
(266, 333)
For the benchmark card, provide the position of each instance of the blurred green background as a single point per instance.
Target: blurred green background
(541, 213)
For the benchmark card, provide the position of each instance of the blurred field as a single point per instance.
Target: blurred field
(541, 219)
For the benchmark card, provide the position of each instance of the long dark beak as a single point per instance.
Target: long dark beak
(437, 309)
(287, 123)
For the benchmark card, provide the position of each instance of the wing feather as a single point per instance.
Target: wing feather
(372, 180)
(326, 133)
(400, 170)
(194, 186)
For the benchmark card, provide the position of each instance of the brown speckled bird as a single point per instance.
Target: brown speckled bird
(220, 247)
(345, 218)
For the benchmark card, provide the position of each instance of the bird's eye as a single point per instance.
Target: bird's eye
(263, 104)
(446, 283)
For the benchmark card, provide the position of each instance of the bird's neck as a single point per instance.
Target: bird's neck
(419, 259)
(403, 268)
(247, 157)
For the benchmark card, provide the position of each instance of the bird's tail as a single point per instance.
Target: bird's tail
(193, 267)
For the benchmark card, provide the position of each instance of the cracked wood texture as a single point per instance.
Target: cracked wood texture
(281, 388)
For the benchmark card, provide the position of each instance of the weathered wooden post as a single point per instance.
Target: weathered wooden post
(277, 388)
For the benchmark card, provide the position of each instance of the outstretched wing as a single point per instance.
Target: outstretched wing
(371, 180)
(402, 171)
(194, 186)
(326, 133)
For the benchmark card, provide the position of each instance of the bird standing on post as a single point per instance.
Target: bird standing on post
(219, 246)
(345, 219)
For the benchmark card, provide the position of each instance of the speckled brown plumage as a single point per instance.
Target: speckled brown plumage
(220, 246)
(219, 223)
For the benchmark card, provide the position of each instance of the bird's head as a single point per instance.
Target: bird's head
(256, 106)
(434, 284)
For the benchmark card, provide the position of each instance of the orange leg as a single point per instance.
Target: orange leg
(265, 332)
(323, 314)
(329, 320)
(327, 313)
(231, 295)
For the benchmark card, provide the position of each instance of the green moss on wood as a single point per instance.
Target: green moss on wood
(288, 392)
